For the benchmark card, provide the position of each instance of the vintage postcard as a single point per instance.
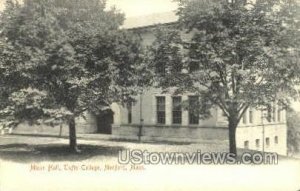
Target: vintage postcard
(149, 95)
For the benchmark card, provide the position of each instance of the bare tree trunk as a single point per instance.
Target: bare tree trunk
(60, 130)
(72, 136)
(232, 135)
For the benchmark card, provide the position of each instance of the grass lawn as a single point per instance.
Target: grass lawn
(27, 149)
(44, 163)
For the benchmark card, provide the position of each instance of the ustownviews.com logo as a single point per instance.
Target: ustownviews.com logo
(139, 157)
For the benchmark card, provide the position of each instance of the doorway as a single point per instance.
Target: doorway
(104, 122)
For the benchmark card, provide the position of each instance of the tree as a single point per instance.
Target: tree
(293, 141)
(61, 58)
(234, 55)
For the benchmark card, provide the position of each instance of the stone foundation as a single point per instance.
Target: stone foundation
(210, 134)
(178, 133)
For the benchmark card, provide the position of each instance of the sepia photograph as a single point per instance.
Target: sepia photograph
(149, 95)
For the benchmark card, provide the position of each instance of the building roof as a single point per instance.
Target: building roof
(139, 21)
(150, 20)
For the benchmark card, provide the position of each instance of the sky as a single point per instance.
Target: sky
(135, 8)
(1, 4)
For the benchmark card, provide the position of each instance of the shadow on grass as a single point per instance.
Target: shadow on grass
(40, 135)
(150, 142)
(160, 142)
(24, 153)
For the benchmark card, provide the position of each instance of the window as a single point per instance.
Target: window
(246, 144)
(193, 110)
(244, 118)
(257, 144)
(279, 113)
(276, 140)
(129, 117)
(273, 113)
(269, 114)
(176, 110)
(267, 141)
(251, 115)
(161, 109)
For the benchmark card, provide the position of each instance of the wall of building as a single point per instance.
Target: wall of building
(203, 134)
(257, 136)
(254, 134)
(172, 133)
(253, 126)
(87, 125)
(145, 108)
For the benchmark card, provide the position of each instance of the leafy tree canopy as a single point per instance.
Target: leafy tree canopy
(60, 58)
(239, 54)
